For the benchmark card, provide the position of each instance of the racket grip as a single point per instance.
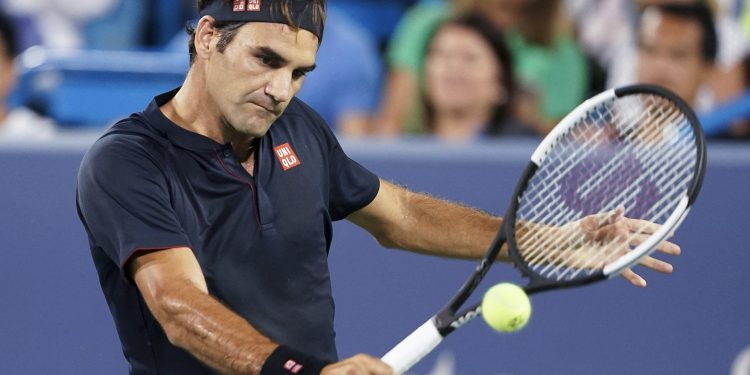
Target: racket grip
(414, 347)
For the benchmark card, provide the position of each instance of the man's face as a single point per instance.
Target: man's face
(670, 54)
(259, 72)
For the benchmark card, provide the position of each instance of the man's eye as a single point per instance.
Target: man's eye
(269, 61)
(298, 74)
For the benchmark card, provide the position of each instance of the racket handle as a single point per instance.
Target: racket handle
(414, 347)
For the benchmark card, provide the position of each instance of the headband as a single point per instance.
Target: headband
(263, 11)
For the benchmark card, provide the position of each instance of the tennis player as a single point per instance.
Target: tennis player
(209, 213)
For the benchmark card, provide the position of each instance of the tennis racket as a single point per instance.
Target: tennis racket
(610, 183)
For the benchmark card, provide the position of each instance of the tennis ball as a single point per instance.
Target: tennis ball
(506, 307)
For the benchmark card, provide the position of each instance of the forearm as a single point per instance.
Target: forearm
(198, 323)
(438, 227)
(398, 218)
(193, 320)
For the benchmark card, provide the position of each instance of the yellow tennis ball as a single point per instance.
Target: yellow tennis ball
(506, 307)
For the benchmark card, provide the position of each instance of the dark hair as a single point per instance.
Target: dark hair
(540, 21)
(496, 40)
(228, 30)
(699, 13)
(8, 37)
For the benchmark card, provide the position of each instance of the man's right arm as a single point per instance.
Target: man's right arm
(172, 284)
(174, 288)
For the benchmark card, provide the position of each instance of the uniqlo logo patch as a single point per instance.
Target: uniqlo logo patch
(253, 5)
(239, 6)
(286, 156)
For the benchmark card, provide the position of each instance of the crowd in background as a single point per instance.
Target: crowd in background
(455, 70)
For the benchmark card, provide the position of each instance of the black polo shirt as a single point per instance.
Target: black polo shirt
(262, 241)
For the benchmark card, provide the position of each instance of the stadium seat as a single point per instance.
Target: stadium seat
(89, 88)
(378, 16)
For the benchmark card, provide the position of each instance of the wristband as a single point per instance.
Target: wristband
(287, 361)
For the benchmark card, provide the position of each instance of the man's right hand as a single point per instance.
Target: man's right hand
(360, 364)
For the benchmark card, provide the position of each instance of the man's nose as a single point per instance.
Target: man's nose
(279, 86)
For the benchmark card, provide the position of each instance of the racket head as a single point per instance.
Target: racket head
(635, 156)
(424, 339)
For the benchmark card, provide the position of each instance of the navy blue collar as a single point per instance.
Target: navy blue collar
(175, 133)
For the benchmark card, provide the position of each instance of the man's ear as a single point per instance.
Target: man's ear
(204, 36)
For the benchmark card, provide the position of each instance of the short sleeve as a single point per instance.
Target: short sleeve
(352, 186)
(123, 199)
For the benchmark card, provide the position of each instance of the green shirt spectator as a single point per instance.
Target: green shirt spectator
(558, 73)
(407, 48)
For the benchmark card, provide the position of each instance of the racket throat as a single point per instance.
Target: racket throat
(448, 321)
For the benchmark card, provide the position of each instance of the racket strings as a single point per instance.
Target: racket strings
(550, 206)
(576, 157)
(606, 253)
(574, 261)
(621, 151)
(545, 190)
(615, 162)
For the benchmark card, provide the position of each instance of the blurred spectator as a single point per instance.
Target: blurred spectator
(745, 19)
(18, 124)
(138, 24)
(378, 17)
(165, 18)
(469, 85)
(26, 33)
(60, 22)
(678, 50)
(740, 129)
(551, 67)
(404, 57)
(677, 47)
(603, 27)
(726, 81)
(119, 28)
(731, 120)
(400, 109)
(722, 83)
(344, 87)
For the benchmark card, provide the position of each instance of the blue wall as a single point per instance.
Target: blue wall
(53, 318)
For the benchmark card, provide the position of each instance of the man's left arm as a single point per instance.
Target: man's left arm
(402, 219)
(399, 218)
